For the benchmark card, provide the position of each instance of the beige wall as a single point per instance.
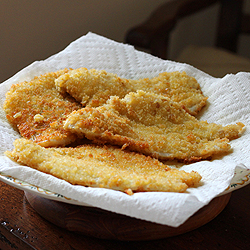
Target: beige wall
(34, 30)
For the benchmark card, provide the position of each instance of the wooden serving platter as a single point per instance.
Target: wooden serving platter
(103, 224)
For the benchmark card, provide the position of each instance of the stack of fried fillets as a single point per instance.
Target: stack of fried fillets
(130, 127)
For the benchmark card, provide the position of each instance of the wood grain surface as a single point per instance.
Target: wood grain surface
(107, 225)
(21, 227)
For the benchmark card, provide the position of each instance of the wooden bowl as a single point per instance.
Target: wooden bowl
(103, 224)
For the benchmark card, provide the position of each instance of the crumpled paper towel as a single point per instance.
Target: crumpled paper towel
(228, 102)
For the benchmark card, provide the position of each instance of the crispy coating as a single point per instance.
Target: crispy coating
(106, 167)
(94, 87)
(153, 125)
(38, 110)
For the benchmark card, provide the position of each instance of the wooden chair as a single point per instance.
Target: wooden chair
(153, 34)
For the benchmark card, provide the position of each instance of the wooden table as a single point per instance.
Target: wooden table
(22, 228)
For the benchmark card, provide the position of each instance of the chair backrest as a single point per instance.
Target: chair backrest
(229, 24)
(153, 34)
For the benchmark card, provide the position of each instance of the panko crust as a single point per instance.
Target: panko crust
(94, 87)
(153, 117)
(153, 125)
(38, 110)
(106, 167)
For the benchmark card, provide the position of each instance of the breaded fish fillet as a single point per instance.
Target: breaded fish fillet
(94, 87)
(106, 167)
(153, 125)
(38, 110)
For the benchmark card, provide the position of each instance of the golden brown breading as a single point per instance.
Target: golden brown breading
(38, 110)
(106, 167)
(153, 125)
(94, 87)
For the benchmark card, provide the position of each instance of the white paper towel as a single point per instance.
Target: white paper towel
(228, 103)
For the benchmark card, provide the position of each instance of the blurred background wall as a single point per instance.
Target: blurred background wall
(34, 30)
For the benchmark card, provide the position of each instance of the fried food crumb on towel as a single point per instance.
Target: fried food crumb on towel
(106, 167)
(94, 87)
(38, 110)
(153, 125)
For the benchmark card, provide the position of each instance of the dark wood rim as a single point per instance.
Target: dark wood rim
(103, 224)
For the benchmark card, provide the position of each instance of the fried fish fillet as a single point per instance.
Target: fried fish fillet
(106, 167)
(38, 110)
(153, 125)
(94, 87)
